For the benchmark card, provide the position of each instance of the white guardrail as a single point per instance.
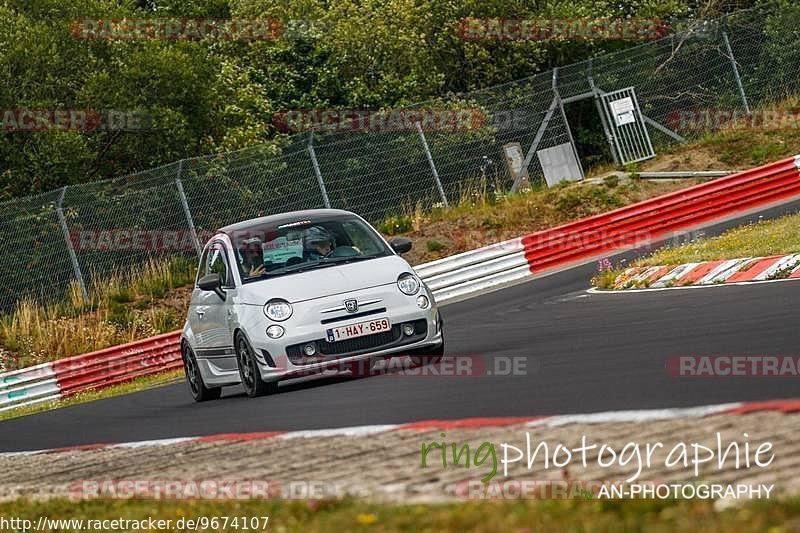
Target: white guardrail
(460, 276)
(28, 386)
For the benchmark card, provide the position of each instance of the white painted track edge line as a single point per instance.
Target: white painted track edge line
(632, 415)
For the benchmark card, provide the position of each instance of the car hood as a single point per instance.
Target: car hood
(327, 281)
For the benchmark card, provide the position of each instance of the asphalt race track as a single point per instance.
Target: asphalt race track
(583, 353)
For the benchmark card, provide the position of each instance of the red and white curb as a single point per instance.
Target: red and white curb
(785, 406)
(731, 271)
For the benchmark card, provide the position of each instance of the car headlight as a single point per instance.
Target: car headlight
(278, 310)
(408, 284)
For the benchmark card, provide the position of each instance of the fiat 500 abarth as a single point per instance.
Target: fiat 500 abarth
(301, 293)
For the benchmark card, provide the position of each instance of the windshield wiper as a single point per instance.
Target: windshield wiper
(299, 268)
(334, 260)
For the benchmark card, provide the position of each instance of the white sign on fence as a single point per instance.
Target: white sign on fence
(623, 110)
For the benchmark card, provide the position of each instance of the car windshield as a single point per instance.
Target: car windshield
(265, 251)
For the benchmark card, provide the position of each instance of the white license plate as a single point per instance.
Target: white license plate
(358, 330)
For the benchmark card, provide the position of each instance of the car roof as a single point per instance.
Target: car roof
(284, 218)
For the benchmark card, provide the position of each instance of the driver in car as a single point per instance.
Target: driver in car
(318, 243)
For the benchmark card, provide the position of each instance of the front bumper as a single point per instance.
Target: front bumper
(284, 358)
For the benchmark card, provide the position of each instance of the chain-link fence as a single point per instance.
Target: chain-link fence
(84, 232)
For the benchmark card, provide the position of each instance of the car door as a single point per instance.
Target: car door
(214, 310)
(198, 306)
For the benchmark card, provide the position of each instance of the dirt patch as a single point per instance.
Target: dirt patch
(696, 159)
(464, 228)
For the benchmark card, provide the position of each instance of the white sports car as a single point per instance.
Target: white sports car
(293, 294)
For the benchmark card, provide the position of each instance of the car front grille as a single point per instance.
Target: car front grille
(378, 341)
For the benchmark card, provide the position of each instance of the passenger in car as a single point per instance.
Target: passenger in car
(252, 257)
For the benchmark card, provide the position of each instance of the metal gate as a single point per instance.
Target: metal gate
(629, 136)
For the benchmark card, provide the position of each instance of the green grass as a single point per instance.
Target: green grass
(121, 307)
(765, 238)
(138, 384)
(522, 516)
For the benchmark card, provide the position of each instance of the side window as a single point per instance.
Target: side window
(201, 268)
(217, 263)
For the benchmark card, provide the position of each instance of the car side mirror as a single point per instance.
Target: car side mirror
(400, 245)
(211, 282)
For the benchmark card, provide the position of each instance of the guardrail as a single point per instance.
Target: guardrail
(461, 275)
(455, 277)
(103, 368)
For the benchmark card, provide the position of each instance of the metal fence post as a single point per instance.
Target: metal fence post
(186, 210)
(555, 85)
(62, 221)
(598, 104)
(317, 173)
(430, 162)
(536, 140)
(733, 64)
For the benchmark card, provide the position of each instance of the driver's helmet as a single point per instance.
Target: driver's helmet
(317, 235)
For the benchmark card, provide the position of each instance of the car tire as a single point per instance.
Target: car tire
(252, 383)
(200, 392)
(428, 357)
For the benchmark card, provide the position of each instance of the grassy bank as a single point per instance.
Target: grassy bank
(120, 308)
(765, 238)
(522, 516)
(762, 239)
(481, 218)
